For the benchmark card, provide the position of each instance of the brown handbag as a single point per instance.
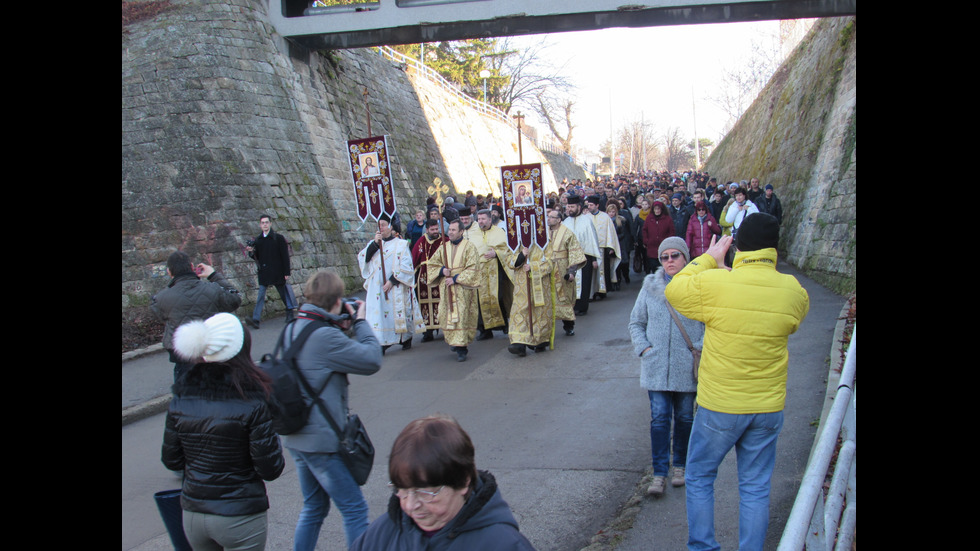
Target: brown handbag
(695, 353)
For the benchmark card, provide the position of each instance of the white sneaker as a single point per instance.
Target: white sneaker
(678, 478)
(656, 488)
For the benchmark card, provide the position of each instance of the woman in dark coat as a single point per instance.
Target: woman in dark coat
(219, 433)
(440, 501)
(657, 227)
(624, 233)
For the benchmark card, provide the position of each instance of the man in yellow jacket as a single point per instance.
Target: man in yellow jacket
(749, 312)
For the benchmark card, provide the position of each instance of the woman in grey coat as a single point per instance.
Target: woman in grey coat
(666, 365)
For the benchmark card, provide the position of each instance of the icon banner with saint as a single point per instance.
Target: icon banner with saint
(370, 168)
(523, 202)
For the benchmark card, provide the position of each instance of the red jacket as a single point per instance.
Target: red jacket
(699, 234)
(655, 230)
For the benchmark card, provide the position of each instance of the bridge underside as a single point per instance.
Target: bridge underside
(414, 21)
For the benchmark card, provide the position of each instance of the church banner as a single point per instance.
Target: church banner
(371, 171)
(523, 202)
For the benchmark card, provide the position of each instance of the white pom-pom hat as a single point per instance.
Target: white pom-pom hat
(217, 339)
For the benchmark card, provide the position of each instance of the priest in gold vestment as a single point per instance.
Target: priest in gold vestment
(455, 268)
(567, 258)
(531, 312)
(495, 293)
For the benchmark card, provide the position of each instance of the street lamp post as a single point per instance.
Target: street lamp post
(484, 74)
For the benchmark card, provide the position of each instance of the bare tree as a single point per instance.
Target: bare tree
(677, 153)
(530, 75)
(637, 145)
(557, 114)
(742, 82)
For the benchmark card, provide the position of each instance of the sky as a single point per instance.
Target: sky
(662, 74)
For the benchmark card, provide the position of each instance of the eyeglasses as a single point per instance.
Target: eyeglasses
(669, 256)
(424, 496)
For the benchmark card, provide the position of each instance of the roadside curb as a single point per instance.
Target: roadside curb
(146, 409)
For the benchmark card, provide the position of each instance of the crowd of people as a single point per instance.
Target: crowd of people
(449, 270)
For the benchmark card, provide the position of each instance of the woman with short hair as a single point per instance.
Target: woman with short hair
(666, 366)
(439, 498)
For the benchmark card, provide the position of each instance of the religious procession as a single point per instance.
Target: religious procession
(460, 270)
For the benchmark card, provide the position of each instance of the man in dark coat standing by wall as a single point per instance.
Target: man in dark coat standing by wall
(271, 254)
(770, 204)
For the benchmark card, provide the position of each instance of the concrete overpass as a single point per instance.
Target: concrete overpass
(362, 23)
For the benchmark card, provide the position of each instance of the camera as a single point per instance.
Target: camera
(250, 243)
(344, 314)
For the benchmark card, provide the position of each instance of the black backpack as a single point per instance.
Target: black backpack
(288, 403)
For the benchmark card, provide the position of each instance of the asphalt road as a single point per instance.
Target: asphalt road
(564, 431)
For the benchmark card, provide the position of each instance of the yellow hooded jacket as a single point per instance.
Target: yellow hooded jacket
(748, 312)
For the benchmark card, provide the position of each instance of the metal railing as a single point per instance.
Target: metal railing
(828, 521)
(453, 89)
(481, 107)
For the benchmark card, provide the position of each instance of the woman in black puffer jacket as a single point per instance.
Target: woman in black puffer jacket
(219, 433)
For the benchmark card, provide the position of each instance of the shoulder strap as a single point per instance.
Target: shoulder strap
(299, 341)
(677, 320)
(293, 350)
(319, 402)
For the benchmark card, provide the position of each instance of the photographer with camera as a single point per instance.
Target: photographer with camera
(323, 475)
(195, 292)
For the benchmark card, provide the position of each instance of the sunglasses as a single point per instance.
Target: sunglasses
(669, 256)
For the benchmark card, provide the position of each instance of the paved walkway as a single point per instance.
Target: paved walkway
(565, 432)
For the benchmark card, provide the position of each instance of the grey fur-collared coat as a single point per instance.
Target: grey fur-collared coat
(668, 365)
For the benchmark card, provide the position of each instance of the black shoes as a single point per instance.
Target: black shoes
(518, 349)
(485, 335)
(252, 323)
(407, 345)
(461, 352)
(427, 336)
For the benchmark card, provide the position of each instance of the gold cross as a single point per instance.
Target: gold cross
(438, 188)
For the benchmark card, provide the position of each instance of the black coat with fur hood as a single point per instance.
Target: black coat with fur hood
(224, 444)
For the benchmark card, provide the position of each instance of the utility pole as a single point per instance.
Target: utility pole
(697, 144)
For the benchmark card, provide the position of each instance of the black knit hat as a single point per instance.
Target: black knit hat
(758, 231)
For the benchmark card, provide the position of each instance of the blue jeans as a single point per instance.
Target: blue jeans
(285, 293)
(664, 408)
(754, 438)
(322, 477)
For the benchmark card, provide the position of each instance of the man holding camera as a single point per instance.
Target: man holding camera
(323, 475)
(194, 293)
(389, 277)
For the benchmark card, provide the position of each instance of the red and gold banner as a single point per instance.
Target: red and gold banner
(370, 169)
(523, 202)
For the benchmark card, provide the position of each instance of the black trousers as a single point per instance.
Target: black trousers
(582, 303)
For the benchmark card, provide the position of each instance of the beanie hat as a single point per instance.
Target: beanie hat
(674, 243)
(759, 230)
(217, 339)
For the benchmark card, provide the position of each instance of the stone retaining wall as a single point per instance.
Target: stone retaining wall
(800, 136)
(223, 120)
